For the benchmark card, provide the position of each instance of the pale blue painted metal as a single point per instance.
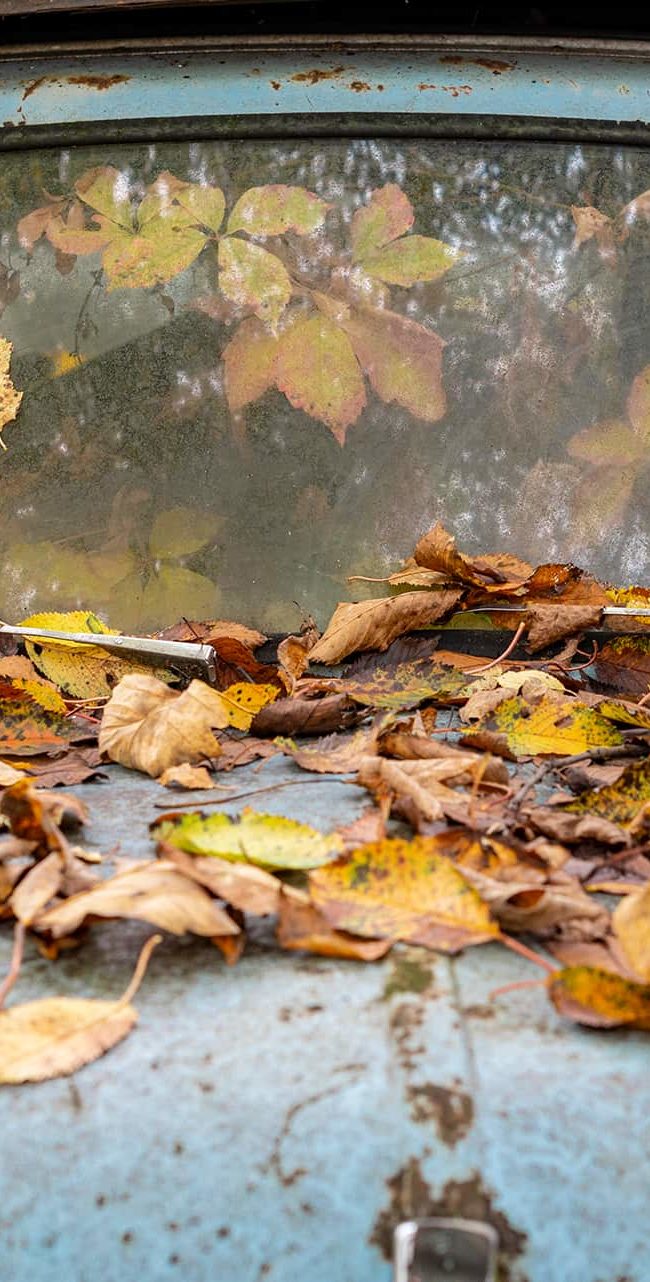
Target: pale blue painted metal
(42, 92)
(260, 1122)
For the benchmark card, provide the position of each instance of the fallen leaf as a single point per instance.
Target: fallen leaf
(550, 623)
(239, 752)
(548, 910)
(402, 359)
(186, 776)
(302, 927)
(9, 775)
(298, 716)
(515, 729)
(294, 651)
(414, 747)
(244, 886)
(621, 803)
(592, 223)
(334, 754)
(402, 890)
(55, 1036)
(77, 765)
(10, 399)
(146, 726)
(36, 815)
(373, 625)
(437, 550)
(419, 791)
(370, 826)
(600, 998)
(27, 729)
(631, 923)
(153, 891)
(387, 215)
(406, 685)
(39, 885)
(266, 840)
(83, 672)
(572, 829)
(623, 664)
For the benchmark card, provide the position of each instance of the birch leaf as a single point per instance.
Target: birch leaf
(55, 1036)
(265, 840)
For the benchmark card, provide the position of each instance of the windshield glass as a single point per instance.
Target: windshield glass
(251, 369)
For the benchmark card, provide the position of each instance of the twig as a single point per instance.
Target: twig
(15, 963)
(517, 947)
(238, 796)
(494, 663)
(559, 763)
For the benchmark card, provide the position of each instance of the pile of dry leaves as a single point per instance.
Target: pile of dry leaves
(509, 796)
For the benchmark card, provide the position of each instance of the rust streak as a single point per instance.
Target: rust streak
(315, 75)
(97, 82)
(457, 90)
(360, 86)
(491, 64)
(33, 86)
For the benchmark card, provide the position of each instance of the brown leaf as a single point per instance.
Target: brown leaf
(246, 887)
(372, 625)
(151, 891)
(37, 888)
(437, 550)
(239, 752)
(591, 222)
(210, 631)
(419, 790)
(573, 829)
(231, 947)
(303, 927)
(186, 776)
(370, 826)
(35, 816)
(57, 1035)
(631, 922)
(624, 665)
(597, 955)
(306, 716)
(543, 910)
(293, 652)
(148, 727)
(335, 754)
(414, 747)
(599, 998)
(75, 766)
(550, 623)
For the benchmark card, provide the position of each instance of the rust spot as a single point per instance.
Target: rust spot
(315, 75)
(457, 90)
(87, 82)
(410, 1197)
(491, 64)
(404, 1023)
(451, 1110)
(425, 86)
(97, 82)
(33, 86)
(479, 1012)
(359, 86)
(380, 88)
(276, 84)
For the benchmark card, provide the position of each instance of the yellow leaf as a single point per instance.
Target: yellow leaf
(44, 695)
(63, 362)
(622, 802)
(608, 444)
(396, 889)
(252, 277)
(82, 671)
(275, 209)
(145, 603)
(187, 776)
(631, 922)
(411, 259)
(105, 189)
(205, 204)
(600, 998)
(181, 531)
(57, 1035)
(406, 685)
(268, 841)
(318, 372)
(154, 891)
(387, 215)
(10, 399)
(515, 729)
(242, 702)
(249, 361)
(373, 625)
(70, 621)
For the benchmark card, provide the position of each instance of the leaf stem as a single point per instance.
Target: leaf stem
(517, 947)
(494, 663)
(140, 968)
(15, 963)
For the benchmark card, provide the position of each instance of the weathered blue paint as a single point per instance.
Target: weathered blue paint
(42, 92)
(267, 1121)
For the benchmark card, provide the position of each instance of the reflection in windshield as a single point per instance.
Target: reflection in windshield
(251, 369)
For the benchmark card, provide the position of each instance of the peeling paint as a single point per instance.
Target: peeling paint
(410, 1198)
(451, 1110)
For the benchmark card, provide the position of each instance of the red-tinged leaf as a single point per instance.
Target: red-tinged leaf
(253, 278)
(318, 372)
(69, 238)
(608, 444)
(624, 665)
(275, 209)
(387, 215)
(402, 359)
(600, 501)
(600, 998)
(34, 225)
(638, 404)
(249, 362)
(413, 258)
(404, 890)
(206, 204)
(105, 190)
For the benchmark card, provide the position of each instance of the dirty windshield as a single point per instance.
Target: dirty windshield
(234, 373)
